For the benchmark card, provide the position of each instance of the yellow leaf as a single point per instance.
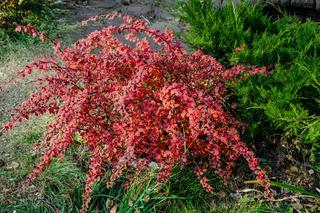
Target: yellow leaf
(114, 209)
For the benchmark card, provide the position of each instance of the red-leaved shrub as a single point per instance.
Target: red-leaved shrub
(144, 101)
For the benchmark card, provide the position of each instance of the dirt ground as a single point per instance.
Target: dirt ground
(154, 11)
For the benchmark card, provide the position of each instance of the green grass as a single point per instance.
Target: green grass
(55, 188)
(181, 193)
(17, 50)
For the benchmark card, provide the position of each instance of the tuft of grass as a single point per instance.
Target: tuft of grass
(55, 189)
(59, 184)
(181, 193)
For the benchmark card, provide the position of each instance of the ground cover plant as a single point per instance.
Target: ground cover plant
(285, 103)
(134, 101)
